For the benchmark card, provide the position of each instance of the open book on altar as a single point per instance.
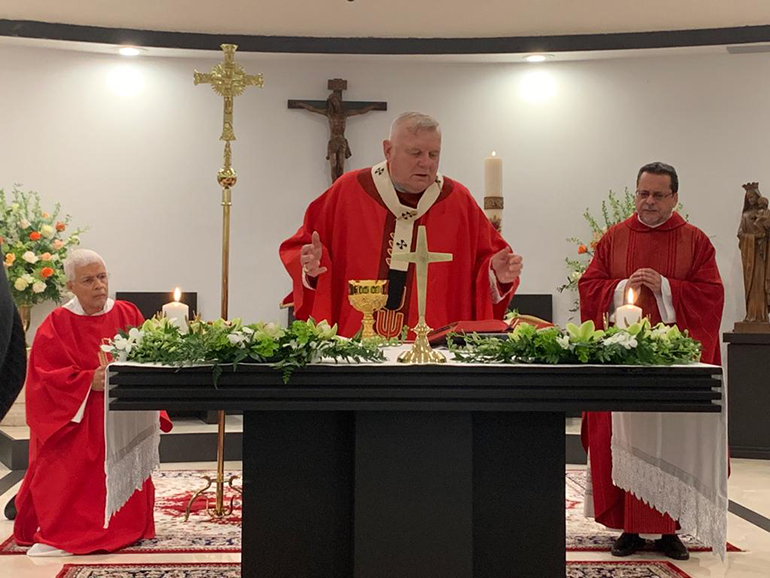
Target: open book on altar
(487, 327)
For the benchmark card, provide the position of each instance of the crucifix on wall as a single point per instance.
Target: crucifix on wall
(337, 112)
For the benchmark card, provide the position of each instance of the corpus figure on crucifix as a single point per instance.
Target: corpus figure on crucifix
(337, 112)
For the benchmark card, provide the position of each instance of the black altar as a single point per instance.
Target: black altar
(371, 471)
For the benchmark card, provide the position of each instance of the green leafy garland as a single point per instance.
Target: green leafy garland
(640, 344)
(219, 343)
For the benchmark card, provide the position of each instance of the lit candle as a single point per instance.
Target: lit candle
(493, 190)
(178, 311)
(628, 314)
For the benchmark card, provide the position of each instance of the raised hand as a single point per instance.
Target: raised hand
(507, 265)
(310, 257)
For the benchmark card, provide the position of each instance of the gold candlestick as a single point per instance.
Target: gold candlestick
(367, 296)
(421, 351)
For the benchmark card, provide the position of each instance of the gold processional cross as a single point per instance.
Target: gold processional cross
(228, 79)
(421, 351)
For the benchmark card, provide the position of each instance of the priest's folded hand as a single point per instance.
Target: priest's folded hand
(507, 265)
(649, 278)
(310, 257)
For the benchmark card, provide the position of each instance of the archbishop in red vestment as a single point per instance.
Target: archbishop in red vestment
(685, 258)
(369, 214)
(61, 502)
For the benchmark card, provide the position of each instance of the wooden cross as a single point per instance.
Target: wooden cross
(228, 80)
(337, 111)
(421, 258)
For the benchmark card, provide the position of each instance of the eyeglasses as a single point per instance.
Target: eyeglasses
(91, 281)
(644, 195)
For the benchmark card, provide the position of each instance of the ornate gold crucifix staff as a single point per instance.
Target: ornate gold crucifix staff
(228, 79)
(421, 351)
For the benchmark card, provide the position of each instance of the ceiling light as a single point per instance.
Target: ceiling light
(130, 51)
(538, 57)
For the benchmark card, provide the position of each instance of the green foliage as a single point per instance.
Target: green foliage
(221, 342)
(640, 344)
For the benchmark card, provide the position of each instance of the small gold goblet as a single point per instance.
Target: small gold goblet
(367, 296)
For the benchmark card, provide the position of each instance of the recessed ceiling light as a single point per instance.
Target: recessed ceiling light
(130, 51)
(537, 57)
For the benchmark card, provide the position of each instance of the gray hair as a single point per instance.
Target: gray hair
(414, 121)
(80, 258)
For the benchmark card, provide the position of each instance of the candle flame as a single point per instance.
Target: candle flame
(177, 294)
(631, 297)
(494, 154)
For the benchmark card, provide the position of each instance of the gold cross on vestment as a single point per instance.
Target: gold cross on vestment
(228, 79)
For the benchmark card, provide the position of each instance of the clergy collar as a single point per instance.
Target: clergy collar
(75, 306)
(673, 222)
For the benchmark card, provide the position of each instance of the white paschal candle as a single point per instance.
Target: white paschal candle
(178, 311)
(493, 190)
(628, 314)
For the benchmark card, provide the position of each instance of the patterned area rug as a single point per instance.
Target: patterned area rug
(574, 570)
(202, 534)
(173, 490)
(585, 535)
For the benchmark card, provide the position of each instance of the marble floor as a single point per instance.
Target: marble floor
(749, 488)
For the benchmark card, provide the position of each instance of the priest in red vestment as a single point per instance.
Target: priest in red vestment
(352, 230)
(61, 503)
(670, 265)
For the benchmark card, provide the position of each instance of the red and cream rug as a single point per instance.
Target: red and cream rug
(204, 534)
(645, 569)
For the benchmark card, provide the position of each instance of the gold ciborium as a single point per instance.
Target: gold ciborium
(367, 296)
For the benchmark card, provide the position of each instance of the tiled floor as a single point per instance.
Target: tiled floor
(749, 486)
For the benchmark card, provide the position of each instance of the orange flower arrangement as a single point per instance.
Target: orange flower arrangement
(34, 248)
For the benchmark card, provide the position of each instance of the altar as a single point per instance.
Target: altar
(409, 471)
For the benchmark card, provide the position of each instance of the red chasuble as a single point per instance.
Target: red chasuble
(684, 255)
(62, 499)
(356, 230)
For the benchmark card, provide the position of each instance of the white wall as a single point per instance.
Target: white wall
(141, 171)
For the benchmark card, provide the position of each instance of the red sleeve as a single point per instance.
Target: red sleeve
(310, 302)
(56, 385)
(596, 287)
(489, 242)
(699, 300)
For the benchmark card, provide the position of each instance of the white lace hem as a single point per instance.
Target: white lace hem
(127, 473)
(703, 517)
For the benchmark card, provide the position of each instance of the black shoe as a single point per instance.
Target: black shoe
(627, 544)
(10, 509)
(672, 546)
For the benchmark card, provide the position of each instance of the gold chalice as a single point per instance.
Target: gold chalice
(367, 296)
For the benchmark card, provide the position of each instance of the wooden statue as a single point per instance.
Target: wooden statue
(753, 237)
(337, 112)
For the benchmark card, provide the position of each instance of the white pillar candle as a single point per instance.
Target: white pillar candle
(178, 311)
(628, 314)
(493, 190)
